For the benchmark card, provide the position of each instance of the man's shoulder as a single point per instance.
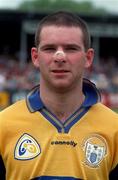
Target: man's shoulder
(103, 111)
(16, 108)
(15, 105)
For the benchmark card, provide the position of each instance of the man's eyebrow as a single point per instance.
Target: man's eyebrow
(64, 45)
(73, 45)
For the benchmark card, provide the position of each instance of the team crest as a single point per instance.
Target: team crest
(95, 149)
(26, 148)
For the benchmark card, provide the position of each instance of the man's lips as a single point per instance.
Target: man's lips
(60, 71)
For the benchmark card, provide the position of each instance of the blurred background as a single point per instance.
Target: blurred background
(18, 21)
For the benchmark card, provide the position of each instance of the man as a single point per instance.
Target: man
(61, 131)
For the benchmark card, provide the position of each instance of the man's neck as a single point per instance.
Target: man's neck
(62, 105)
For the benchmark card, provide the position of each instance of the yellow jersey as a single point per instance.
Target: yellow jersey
(36, 145)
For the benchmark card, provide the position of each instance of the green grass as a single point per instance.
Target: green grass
(116, 110)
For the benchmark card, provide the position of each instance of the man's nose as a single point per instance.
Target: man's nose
(59, 56)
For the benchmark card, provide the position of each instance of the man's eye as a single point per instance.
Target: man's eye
(49, 49)
(71, 49)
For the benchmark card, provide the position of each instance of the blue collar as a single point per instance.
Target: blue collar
(90, 91)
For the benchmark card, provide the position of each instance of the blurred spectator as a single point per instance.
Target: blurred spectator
(114, 82)
(3, 81)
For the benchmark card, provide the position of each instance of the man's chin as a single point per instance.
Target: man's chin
(61, 88)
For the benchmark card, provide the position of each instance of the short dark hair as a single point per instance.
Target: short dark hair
(64, 18)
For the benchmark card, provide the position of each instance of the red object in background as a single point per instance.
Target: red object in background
(110, 99)
(105, 99)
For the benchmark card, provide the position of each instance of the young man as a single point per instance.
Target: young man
(61, 131)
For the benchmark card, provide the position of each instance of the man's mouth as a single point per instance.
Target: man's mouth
(60, 71)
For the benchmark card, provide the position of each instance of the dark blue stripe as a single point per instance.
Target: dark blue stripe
(55, 178)
(67, 128)
(52, 121)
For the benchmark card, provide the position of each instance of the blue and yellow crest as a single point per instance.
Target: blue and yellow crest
(95, 148)
(26, 148)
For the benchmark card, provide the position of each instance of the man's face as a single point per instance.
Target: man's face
(61, 57)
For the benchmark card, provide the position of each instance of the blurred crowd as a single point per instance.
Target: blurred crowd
(105, 75)
(14, 75)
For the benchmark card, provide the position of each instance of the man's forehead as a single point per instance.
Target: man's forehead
(60, 28)
(60, 32)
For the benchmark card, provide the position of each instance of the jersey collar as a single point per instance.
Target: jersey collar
(90, 91)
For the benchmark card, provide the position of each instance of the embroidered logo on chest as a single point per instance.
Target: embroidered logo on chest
(26, 148)
(95, 149)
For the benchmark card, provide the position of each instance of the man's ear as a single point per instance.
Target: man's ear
(89, 57)
(34, 56)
